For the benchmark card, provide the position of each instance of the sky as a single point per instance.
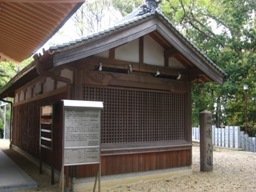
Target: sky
(68, 32)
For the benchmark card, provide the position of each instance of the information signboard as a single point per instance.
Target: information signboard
(81, 132)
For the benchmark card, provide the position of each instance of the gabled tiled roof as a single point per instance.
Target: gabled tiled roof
(133, 19)
(130, 20)
(121, 24)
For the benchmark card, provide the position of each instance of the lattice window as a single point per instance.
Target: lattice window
(139, 116)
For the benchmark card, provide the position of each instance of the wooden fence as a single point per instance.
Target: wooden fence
(229, 137)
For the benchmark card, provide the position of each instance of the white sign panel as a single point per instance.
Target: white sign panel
(81, 156)
(81, 132)
(82, 127)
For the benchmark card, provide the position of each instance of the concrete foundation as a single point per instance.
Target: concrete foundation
(107, 182)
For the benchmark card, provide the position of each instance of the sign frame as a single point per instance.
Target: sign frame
(84, 134)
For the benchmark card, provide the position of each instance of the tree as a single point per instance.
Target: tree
(98, 14)
(94, 16)
(126, 6)
(225, 31)
(7, 71)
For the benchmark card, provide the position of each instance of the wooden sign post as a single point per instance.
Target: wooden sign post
(81, 135)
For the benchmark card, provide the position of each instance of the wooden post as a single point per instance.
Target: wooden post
(206, 148)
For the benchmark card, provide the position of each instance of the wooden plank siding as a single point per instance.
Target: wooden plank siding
(145, 121)
(26, 128)
(115, 157)
(130, 163)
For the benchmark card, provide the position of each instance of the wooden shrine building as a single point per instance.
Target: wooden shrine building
(142, 68)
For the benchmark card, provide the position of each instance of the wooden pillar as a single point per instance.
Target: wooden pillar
(206, 148)
(141, 50)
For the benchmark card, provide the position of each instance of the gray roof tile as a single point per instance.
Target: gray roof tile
(130, 19)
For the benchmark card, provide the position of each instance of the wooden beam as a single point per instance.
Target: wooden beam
(141, 50)
(171, 52)
(8, 58)
(197, 76)
(167, 54)
(166, 61)
(184, 61)
(190, 53)
(16, 18)
(159, 39)
(30, 11)
(103, 43)
(112, 54)
(137, 67)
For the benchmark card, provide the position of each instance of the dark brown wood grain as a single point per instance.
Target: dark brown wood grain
(26, 128)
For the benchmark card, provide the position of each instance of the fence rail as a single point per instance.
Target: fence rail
(229, 137)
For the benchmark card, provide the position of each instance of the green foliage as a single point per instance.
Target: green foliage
(225, 31)
(126, 6)
(26, 62)
(9, 69)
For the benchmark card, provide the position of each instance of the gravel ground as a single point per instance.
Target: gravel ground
(233, 171)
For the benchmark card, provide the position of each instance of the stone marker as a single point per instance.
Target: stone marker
(206, 148)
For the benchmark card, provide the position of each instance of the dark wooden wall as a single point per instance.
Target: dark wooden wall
(130, 96)
(26, 128)
(177, 151)
(130, 163)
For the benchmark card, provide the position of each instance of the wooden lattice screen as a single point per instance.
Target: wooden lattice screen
(139, 115)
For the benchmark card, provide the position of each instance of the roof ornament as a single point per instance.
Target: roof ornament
(149, 6)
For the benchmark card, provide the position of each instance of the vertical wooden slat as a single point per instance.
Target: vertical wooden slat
(130, 163)
(141, 50)
(122, 163)
(103, 166)
(166, 60)
(26, 129)
(112, 54)
(135, 160)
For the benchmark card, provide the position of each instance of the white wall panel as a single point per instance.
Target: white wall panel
(128, 52)
(153, 52)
